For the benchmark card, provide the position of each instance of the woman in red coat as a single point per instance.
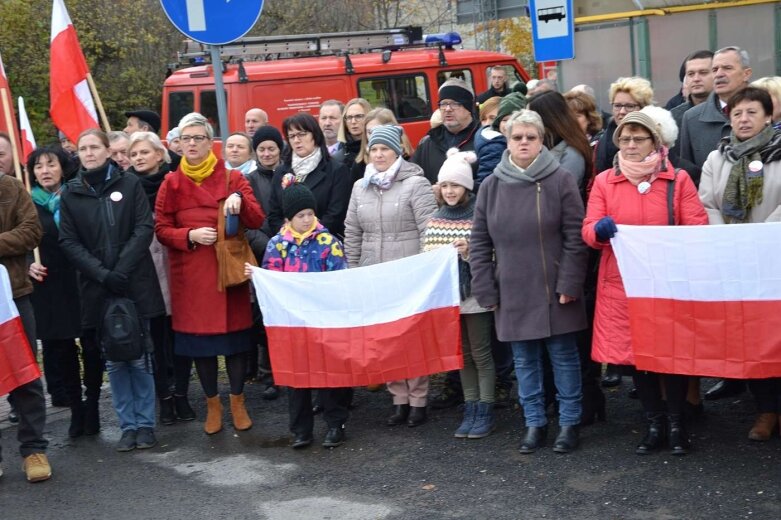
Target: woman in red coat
(635, 191)
(207, 322)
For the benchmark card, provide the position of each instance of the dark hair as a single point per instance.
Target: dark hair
(66, 165)
(304, 122)
(698, 55)
(752, 94)
(560, 124)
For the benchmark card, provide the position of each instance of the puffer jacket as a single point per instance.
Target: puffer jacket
(20, 233)
(615, 196)
(489, 147)
(384, 225)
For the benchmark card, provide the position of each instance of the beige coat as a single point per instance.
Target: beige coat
(384, 225)
(715, 173)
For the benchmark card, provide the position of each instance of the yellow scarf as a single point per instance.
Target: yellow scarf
(299, 237)
(199, 172)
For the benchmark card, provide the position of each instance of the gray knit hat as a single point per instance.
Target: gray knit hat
(389, 135)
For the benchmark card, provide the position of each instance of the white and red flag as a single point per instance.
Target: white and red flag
(71, 106)
(704, 300)
(369, 325)
(26, 132)
(17, 364)
(7, 118)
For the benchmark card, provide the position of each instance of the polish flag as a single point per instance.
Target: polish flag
(363, 326)
(17, 364)
(6, 126)
(72, 109)
(704, 300)
(27, 138)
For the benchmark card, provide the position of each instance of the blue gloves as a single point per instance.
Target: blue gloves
(605, 229)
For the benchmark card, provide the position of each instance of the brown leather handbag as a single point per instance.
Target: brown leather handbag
(232, 252)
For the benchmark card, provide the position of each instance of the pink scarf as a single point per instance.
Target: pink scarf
(645, 170)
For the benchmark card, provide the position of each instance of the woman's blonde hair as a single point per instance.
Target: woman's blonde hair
(639, 88)
(489, 105)
(343, 132)
(770, 83)
(152, 139)
(383, 116)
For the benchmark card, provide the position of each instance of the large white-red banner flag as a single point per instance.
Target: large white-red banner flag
(26, 132)
(363, 326)
(7, 120)
(704, 300)
(17, 364)
(71, 106)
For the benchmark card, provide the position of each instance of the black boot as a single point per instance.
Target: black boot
(534, 439)
(417, 416)
(612, 376)
(400, 414)
(725, 388)
(567, 439)
(593, 405)
(184, 412)
(679, 439)
(654, 437)
(76, 428)
(167, 415)
(91, 418)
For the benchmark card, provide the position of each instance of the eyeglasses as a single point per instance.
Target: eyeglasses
(449, 105)
(297, 135)
(195, 138)
(632, 139)
(629, 107)
(356, 117)
(520, 137)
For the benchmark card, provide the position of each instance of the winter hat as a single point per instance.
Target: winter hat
(295, 198)
(173, 134)
(457, 90)
(389, 135)
(147, 116)
(267, 133)
(510, 103)
(642, 119)
(457, 168)
(665, 124)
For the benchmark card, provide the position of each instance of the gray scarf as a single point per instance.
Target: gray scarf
(544, 165)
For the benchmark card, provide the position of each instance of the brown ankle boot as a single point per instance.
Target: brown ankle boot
(241, 420)
(763, 427)
(213, 422)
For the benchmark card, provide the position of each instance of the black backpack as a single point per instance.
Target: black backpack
(123, 336)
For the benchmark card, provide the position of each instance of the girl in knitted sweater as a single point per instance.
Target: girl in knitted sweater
(451, 225)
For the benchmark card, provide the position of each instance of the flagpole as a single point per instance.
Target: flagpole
(98, 103)
(9, 120)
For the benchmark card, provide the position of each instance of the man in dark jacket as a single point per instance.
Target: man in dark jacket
(20, 233)
(456, 102)
(498, 85)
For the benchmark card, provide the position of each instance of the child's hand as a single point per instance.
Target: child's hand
(248, 269)
(462, 246)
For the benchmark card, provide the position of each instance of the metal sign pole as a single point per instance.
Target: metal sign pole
(219, 92)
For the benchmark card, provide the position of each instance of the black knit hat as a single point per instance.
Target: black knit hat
(266, 133)
(457, 90)
(295, 198)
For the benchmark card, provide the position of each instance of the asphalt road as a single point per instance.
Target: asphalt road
(399, 473)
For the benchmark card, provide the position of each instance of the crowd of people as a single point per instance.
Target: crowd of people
(527, 185)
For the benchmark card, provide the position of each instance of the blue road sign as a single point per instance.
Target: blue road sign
(214, 22)
(553, 29)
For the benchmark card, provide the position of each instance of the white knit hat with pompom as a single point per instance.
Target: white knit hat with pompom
(457, 168)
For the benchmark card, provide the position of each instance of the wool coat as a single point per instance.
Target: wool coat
(20, 233)
(526, 250)
(715, 173)
(110, 230)
(260, 180)
(702, 127)
(613, 195)
(197, 306)
(56, 299)
(330, 184)
(385, 225)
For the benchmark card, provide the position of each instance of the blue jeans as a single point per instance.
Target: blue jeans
(563, 353)
(133, 392)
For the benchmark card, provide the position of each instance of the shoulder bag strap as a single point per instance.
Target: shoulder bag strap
(670, 196)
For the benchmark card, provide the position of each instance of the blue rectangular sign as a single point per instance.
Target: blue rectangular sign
(553, 29)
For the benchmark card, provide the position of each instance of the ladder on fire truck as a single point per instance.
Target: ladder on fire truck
(261, 48)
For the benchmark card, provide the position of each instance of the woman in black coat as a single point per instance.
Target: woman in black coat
(56, 300)
(308, 162)
(105, 231)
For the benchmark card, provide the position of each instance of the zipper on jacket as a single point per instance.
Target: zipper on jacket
(542, 247)
(111, 222)
(109, 211)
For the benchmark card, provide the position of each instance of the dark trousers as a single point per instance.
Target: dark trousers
(334, 401)
(767, 393)
(502, 354)
(650, 394)
(29, 399)
(60, 361)
(93, 369)
(169, 368)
